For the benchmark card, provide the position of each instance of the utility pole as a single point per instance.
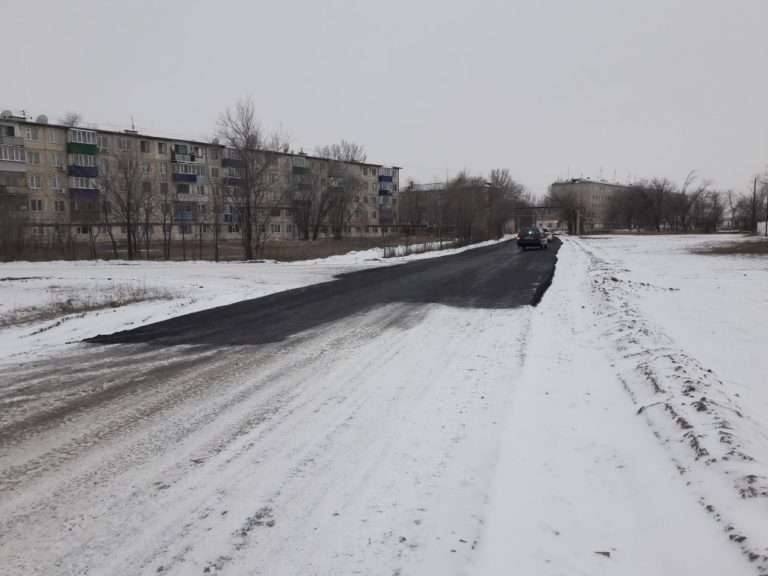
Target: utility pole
(766, 215)
(753, 222)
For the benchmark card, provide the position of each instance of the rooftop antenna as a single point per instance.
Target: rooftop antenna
(133, 124)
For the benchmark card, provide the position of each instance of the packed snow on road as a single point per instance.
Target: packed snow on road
(619, 427)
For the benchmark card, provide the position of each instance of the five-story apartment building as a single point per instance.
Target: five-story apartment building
(66, 184)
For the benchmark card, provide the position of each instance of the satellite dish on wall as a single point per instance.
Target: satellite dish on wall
(42, 119)
(6, 114)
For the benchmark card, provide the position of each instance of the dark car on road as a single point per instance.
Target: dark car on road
(532, 238)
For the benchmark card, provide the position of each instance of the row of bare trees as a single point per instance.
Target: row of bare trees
(470, 208)
(321, 192)
(658, 204)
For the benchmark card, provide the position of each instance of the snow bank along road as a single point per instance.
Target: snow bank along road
(347, 427)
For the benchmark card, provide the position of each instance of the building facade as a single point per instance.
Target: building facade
(62, 184)
(591, 198)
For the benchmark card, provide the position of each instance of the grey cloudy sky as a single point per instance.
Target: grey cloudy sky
(545, 88)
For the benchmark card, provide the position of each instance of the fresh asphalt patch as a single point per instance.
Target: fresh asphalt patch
(498, 276)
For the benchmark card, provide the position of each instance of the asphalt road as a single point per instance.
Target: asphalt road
(500, 276)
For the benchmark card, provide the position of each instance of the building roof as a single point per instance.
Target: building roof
(138, 134)
(588, 181)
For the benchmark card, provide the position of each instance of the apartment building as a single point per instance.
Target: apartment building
(55, 181)
(592, 197)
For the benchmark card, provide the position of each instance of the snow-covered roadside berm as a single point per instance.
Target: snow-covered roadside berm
(638, 440)
(46, 307)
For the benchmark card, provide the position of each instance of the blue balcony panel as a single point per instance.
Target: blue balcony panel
(185, 178)
(83, 171)
(231, 163)
(84, 193)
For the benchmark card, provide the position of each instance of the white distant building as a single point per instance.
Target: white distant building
(592, 197)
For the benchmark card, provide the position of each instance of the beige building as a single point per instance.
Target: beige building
(592, 199)
(60, 185)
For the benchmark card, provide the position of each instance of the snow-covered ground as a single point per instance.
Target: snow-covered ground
(618, 428)
(642, 403)
(47, 307)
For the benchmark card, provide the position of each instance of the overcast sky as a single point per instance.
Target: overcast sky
(547, 89)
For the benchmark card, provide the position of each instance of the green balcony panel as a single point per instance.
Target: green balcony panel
(76, 148)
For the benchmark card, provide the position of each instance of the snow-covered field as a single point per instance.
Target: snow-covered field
(46, 307)
(643, 405)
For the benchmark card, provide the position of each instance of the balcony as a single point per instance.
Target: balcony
(183, 217)
(230, 181)
(192, 178)
(182, 158)
(231, 163)
(83, 171)
(84, 194)
(299, 170)
(77, 148)
(190, 198)
(384, 178)
(12, 140)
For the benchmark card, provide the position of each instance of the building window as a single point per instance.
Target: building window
(201, 189)
(146, 169)
(103, 142)
(33, 157)
(162, 148)
(146, 188)
(274, 212)
(53, 136)
(59, 205)
(79, 182)
(56, 183)
(163, 169)
(32, 133)
(373, 215)
(12, 153)
(82, 136)
(145, 146)
(276, 228)
(185, 228)
(87, 160)
(214, 172)
(83, 229)
(182, 188)
(36, 205)
(234, 228)
(34, 181)
(123, 143)
(289, 228)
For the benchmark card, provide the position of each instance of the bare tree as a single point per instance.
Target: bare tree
(568, 206)
(344, 151)
(165, 201)
(255, 153)
(342, 185)
(120, 177)
(71, 119)
(503, 196)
